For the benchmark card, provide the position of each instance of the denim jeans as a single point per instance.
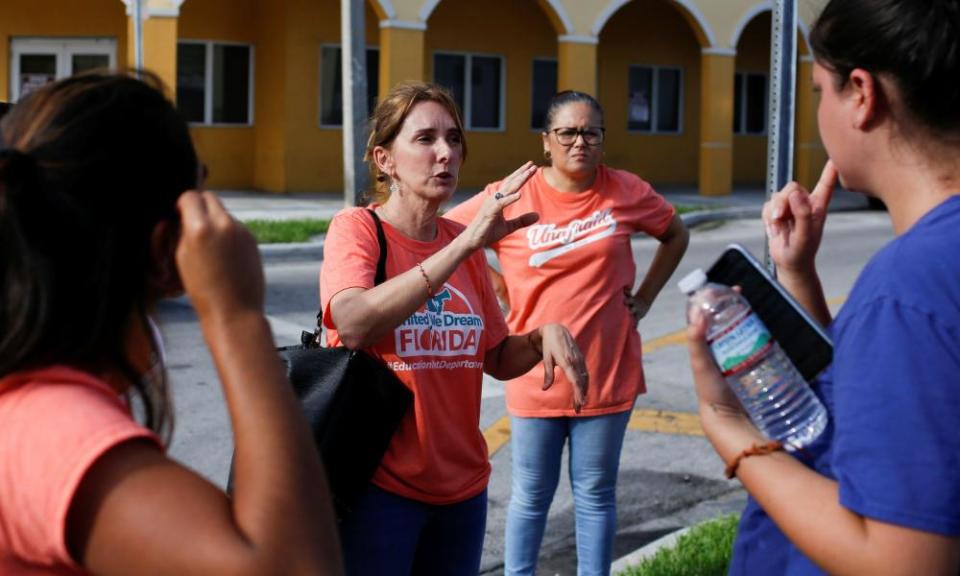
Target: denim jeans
(537, 444)
(389, 535)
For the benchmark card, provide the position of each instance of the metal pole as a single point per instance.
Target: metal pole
(137, 37)
(353, 65)
(782, 104)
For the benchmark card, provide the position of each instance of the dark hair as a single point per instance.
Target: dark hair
(916, 43)
(388, 118)
(561, 99)
(89, 166)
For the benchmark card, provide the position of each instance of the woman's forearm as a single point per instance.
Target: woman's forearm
(281, 502)
(806, 506)
(363, 317)
(673, 245)
(515, 356)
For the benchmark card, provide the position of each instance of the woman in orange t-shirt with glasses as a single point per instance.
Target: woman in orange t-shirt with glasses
(576, 265)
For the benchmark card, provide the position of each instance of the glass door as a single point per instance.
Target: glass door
(39, 61)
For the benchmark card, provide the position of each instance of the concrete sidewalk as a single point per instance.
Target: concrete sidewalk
(743, 202)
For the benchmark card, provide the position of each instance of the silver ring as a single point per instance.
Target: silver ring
(497, 196)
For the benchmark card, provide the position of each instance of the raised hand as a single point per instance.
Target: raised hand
(794, 220)
(560, 349)
(217, 258)
(489, 225)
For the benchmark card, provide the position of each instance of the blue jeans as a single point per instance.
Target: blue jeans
(388, 534)
(537, 444)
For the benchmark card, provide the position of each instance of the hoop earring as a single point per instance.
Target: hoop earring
(547, 155)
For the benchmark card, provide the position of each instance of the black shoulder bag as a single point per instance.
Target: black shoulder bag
(352, 402)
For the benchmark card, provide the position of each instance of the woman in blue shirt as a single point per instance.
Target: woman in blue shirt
(880, 491)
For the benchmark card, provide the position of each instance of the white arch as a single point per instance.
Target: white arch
(690, 7)
(430, 5)
(765, 6)
(387, 7)
(805, 30)
(427, 9)
(561, 13)
(748, 16)
(169, 9)
(605, 15)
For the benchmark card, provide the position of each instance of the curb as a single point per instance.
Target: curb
(298, 251)
(641, 554)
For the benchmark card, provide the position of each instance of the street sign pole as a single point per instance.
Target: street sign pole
(138, 36)
(782, 103)
(353, 66)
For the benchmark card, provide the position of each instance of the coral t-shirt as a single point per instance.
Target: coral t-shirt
(571, 268)
(438, 454)
(54, 424)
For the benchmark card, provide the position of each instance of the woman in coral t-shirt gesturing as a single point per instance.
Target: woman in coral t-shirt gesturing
(435, 322)
(575, 265)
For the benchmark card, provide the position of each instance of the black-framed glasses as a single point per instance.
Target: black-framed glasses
(567, 136)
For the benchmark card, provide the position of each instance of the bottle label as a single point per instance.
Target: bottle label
(741, 344)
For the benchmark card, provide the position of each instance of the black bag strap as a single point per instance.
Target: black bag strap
(312, 340)
(381, 275)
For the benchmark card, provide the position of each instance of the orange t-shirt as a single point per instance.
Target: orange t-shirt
(571, 268)
(54, 424)
(437, 454)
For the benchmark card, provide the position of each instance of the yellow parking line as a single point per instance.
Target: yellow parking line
(660, 421)
(675, 339)
(497, 435)
(665, 422)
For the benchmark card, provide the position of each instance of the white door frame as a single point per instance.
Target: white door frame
(63, 48)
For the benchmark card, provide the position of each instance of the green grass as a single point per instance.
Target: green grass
(285, 231)
(703, 551)
(684, 208)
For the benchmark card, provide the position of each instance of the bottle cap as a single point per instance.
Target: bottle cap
(692, 281)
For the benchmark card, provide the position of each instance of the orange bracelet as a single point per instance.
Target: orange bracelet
(755, 450)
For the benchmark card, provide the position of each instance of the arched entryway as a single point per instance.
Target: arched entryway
(649, 86)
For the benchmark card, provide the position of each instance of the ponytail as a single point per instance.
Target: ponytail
(89, 166)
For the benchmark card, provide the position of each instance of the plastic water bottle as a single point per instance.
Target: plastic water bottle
(771, 390)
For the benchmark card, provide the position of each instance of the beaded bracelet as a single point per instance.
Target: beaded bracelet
(755, 450)
(426, 280)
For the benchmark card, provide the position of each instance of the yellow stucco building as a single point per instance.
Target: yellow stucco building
(683, 82)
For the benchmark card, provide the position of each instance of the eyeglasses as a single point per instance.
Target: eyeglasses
(567, 136)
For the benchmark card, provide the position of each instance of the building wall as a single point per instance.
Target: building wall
(228, 151)
(753, 55)
(524, 35)
(650, 32)
(313, 154)
(53, 18)
(286, 150)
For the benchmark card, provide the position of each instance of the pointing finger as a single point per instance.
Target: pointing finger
(823, 191)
